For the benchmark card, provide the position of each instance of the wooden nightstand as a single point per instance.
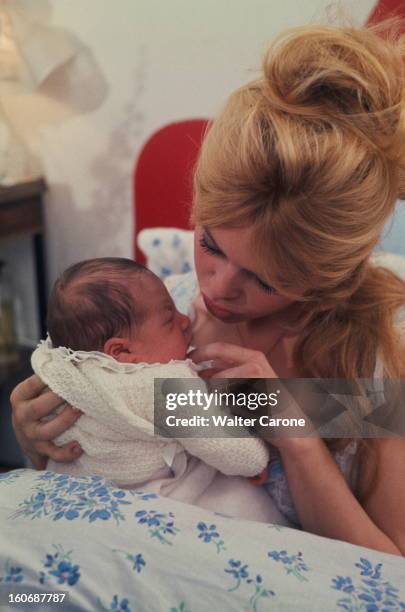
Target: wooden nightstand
(21, 213)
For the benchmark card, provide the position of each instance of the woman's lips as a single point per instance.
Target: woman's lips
(218, 310)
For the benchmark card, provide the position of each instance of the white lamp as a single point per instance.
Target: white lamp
(43, 70)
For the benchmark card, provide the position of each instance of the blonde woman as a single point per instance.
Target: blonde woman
(296, 178)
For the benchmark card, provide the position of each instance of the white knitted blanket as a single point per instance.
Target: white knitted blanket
(116, 430)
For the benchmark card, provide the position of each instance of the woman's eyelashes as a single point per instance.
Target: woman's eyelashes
(215, 251)
(263, 286)
(209, 248)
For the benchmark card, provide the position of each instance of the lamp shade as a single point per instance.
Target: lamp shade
(41, 49)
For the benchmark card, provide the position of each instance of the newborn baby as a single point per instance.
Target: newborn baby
(113, 329)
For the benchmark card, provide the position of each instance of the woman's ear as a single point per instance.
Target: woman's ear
(120, 349)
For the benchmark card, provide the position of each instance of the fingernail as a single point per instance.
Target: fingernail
(204, 365)
(76, 410)
(77, 450)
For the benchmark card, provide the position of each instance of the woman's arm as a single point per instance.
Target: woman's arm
(326, 505)
(385, 503)
(31, 402)
(323, 500)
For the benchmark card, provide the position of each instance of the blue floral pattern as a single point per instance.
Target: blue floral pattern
(143, 496)
(210, 534)
(371, 593)
(161, 524)
(294, 564)
(160, 554)
(12, 574)
(241, 574)
(64, 497)
(116, 604)
(180, 608)
(59, 567)
(168, 250)
(10, 477)
(137, 560)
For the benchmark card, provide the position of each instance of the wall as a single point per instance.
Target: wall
(162, 61)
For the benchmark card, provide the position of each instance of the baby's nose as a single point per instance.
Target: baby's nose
(184, 322)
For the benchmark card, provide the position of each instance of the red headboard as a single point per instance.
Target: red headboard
(387, 8)
(163, 177)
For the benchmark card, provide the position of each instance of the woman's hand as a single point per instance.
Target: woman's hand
(31, 401)
(291, 438)
(232, 361)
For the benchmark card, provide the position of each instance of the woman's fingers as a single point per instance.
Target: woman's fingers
(61, 454)
(253, 364)
(38, 461)
(208, 373)
(43, 405)
(29, 412)
(29, 407)
(48, 450)
(247, 370)
(27, 389)
(231, 353)
(245, 363)
(31, 401)
(58, 425)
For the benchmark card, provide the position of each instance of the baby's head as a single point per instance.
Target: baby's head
(118, 307)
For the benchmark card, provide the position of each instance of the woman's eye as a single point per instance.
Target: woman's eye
(209, 248)
(263, 286)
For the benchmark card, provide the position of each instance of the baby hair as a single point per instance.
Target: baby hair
(93, 301)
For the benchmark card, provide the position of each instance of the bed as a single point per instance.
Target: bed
(99, 547)
(110, 549)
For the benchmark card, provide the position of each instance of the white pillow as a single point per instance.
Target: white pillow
(168, 250)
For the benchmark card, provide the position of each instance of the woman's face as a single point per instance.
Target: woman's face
(229, 277)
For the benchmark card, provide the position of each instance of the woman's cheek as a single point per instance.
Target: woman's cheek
(199, 260)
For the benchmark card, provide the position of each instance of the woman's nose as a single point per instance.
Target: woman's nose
(223, 283)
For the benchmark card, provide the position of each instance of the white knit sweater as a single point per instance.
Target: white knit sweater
(116, 430)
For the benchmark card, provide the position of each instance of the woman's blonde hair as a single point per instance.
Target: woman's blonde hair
(312, 154)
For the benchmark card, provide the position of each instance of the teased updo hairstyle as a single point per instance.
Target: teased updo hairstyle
(312, 154)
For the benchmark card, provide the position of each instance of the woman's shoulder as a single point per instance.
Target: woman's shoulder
(382, 470)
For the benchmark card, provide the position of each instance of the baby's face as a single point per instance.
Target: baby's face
(166, 333)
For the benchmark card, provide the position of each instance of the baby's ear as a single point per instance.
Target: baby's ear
(119, 349)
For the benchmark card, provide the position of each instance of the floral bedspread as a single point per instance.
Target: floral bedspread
(114, 549)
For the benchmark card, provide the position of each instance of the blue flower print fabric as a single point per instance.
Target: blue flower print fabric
(113, 549)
